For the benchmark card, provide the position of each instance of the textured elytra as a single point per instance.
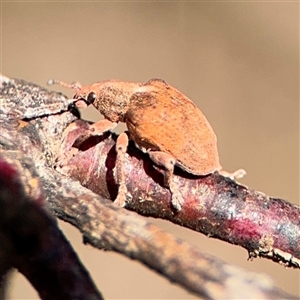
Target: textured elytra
(162, 118)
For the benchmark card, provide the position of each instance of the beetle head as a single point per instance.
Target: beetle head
(84, 95)
(111, 98)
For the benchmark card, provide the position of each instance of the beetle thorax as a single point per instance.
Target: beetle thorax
(113, 99)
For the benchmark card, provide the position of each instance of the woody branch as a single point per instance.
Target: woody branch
(214, 205)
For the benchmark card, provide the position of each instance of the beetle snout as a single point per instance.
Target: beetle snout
(84, 101)
(80, 102)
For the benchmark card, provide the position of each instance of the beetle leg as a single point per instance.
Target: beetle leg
(121, 148)
(101, 126)
(167, 161)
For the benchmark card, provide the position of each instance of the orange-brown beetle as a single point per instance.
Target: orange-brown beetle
(161, 121)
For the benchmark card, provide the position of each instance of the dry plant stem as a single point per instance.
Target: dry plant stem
(106, 226)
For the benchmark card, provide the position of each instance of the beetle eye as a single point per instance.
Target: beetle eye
(91, 98)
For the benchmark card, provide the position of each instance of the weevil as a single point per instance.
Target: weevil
(161, 121)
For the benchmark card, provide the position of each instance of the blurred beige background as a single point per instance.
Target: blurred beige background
(239, 61)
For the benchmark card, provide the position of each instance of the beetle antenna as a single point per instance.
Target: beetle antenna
(74, 86)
